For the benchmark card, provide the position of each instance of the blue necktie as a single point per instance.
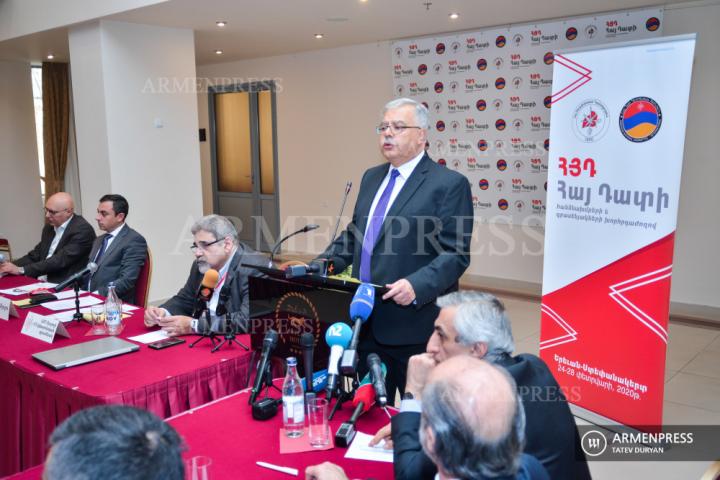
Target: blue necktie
(374, 227)
(99, 255)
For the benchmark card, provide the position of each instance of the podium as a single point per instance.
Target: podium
(293, 306)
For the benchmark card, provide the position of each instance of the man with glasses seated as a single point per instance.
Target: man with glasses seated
(215, 246)
(410, 232)
(64, 245)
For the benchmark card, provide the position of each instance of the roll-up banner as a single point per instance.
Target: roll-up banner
(617, 133)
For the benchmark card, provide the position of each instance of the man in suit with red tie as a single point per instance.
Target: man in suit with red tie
(410, 232)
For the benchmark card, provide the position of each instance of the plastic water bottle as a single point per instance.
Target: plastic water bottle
(113, 310)
(293, 401)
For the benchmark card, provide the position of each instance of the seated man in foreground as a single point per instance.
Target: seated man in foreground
(215, 246)
(114, 442)
(475, 324)
(472, 426)
(64, 245)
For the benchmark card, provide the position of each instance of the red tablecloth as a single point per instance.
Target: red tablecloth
(225, 431)
(34, 398)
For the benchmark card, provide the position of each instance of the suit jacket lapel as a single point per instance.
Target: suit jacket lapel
(119, 238)
(417, 177)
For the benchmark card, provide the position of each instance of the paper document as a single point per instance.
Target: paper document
(59, 305)
(150, 337)
(360, 449)
(69, 294)
(25, 289)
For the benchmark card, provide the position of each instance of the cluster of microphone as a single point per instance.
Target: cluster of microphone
(343, 361)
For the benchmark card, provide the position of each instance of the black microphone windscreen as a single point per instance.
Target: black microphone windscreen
(307, 340)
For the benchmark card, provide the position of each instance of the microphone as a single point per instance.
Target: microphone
(205, 292)
(378, 378)
(90, 269)
(305, 229)
(320, 265)
(360, 309)
(269, 343)
(307, 342)
(337, 337)
(348, 186)
(362, 402)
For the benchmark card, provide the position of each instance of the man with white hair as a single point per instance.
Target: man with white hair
(475, 324)
(410, 232)
(215, 246)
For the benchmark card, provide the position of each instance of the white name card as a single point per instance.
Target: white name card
(43, 328)
(7, 309)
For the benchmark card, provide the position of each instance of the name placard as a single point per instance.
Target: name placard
(43, 328)
(7, 309)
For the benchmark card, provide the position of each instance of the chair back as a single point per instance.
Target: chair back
(142, 285)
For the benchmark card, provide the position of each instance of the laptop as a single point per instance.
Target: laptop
(86, 352)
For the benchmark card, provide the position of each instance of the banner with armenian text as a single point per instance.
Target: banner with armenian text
(617, 135)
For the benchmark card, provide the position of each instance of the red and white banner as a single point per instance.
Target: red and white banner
(617, 133)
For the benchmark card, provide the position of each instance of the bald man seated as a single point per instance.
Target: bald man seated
(64, 245)
(472, 426)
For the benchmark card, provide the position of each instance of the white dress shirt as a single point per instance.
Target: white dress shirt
(58, 236)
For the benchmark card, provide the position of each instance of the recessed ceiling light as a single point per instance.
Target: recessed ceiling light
(218, 52)
(221, 24)
(454, 16)
(319, 36)
(50, 56)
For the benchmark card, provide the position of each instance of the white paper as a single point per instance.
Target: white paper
(25, 289)
(360, 449)
(5, 304)
(150, 337)
(68, 294)
(59, 305)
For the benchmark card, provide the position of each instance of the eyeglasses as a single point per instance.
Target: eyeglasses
(204, 245)
(52, 213)
(394, 128)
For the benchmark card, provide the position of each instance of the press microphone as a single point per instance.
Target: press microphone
(305, 229)
(90, 269)
(337, 337)
(269, 343)
(362, 401)
(360, 309)
(320, 266)
(205, 292)
(307, 342)
(378, 379)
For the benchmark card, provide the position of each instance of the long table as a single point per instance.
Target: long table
(225, 431)
(34, 399)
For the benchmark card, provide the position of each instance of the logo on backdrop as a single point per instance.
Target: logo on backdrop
(481, 64)
(500, 41)
(440, 48)
(571, 33)
(590, 120)
(640, 119)
(652, 24)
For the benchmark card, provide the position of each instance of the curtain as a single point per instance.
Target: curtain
(56, 121)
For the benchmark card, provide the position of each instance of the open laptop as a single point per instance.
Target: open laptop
(86, 352)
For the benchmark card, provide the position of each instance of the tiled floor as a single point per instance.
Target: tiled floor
(692, 388)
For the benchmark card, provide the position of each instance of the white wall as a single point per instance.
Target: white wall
(127, 77)
(21, 215)
(330, 101)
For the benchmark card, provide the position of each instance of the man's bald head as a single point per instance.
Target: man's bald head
(472, 420)
(59, 208)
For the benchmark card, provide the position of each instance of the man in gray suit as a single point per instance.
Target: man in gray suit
(215, 246)
(120, 253)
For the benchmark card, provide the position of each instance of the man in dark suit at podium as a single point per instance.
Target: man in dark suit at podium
(410, 232)
(120, 253)
(64, 244)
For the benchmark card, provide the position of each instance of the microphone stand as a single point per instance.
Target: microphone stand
(78, 317)
(205, 334)
(305, 229)
(343, 395)
(229, 338)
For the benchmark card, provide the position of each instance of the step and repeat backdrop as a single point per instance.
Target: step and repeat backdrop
(489, 95)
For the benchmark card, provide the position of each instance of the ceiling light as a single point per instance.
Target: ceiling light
(221, 24)
(50, 56)
(218, 52)
(319, 36)
(454, 16)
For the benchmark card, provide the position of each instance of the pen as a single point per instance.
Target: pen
(288, 470)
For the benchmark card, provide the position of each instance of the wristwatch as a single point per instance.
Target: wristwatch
(21, 270)
(408, 396)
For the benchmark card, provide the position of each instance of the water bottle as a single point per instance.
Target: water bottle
(293, 401)
(113, 310)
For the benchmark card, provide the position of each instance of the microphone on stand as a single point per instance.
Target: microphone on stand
(337, 337)
(205, 292)
(307, 342)
(305, 229)
(378, 379)
(269, 343)
(360, 309)
(362, 401)
(90, 269)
